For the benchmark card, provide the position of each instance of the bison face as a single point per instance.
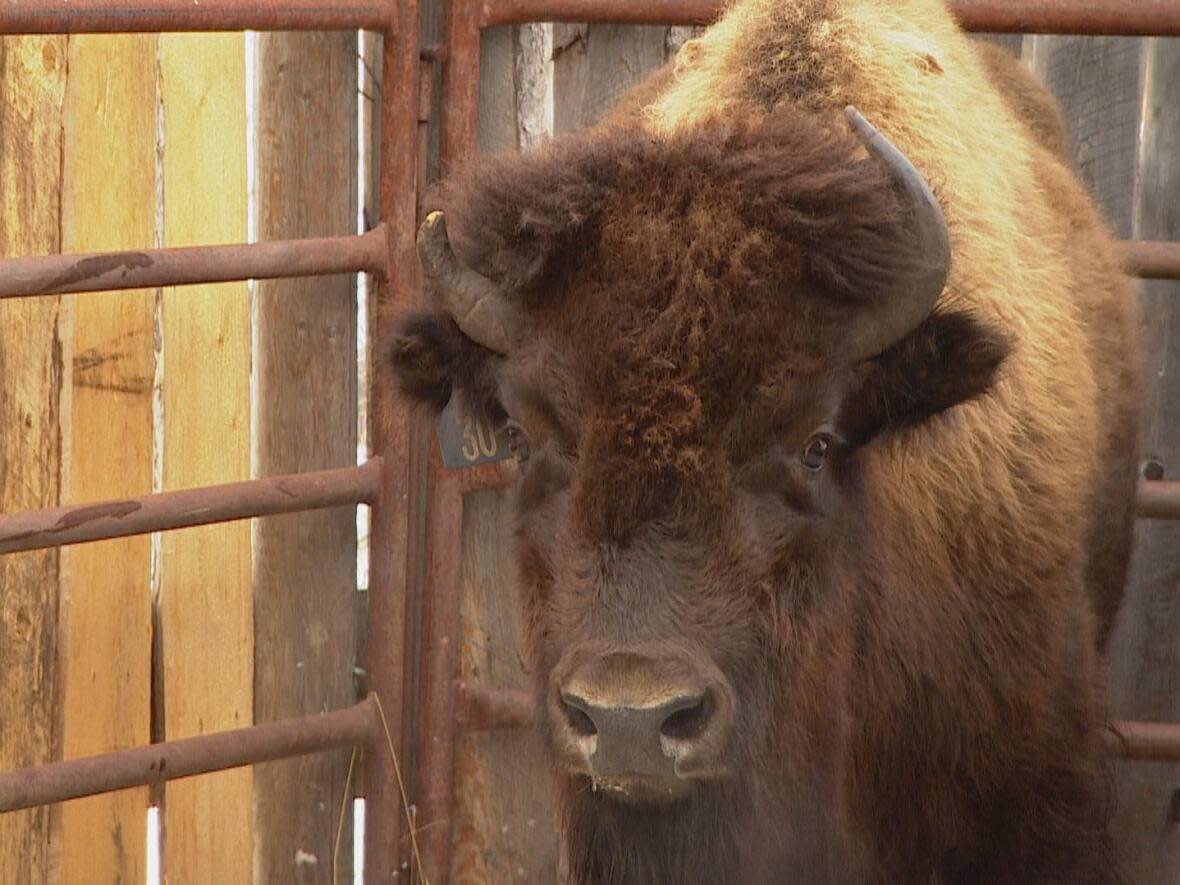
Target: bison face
(697, 340)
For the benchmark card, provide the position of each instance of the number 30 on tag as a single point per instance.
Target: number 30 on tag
(465, 440)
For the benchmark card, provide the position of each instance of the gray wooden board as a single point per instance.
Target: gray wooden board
(595, 65)
(305, 361)
(505, 828)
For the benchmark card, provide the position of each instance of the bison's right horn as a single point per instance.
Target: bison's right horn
(476, 303)
(913, 295)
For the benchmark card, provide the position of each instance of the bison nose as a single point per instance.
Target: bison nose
(628, 720)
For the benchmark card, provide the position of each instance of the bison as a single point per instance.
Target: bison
(822, 370)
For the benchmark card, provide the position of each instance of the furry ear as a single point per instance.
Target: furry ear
(429, 357)
(947, 360)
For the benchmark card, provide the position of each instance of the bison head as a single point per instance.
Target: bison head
(699, 339)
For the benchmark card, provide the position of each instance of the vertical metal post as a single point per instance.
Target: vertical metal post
(392, 548)
(460, 84)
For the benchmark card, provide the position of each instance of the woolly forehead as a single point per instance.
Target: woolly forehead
(626, 248)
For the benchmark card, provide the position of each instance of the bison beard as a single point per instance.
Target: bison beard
(827, 592)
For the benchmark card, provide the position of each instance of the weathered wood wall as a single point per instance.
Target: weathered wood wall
(106, 640)
(33, 354)
(305, 363)
(133, 142)
(206, 611)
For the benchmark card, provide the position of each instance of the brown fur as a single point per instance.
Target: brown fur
(910, 632)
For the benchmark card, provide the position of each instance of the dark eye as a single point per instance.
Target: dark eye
(518, 441)
(815, 453)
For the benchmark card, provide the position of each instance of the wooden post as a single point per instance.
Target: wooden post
(32, 368)
(305, 359)
(204, 597)
(595, 65)
(108, 202)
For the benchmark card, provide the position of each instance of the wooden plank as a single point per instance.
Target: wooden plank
(498, 129)
(32, 361)
(595, 65)
(305, 360)
(110, 111)
(204, 582)
(1146, 662)
(505, 822)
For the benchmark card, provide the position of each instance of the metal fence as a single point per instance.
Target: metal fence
(388, 481)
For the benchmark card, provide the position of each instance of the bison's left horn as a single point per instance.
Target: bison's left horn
(915, 293)
(476, 303)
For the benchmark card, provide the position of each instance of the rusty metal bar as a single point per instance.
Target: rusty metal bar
(479, 708)
(1115, 18)
(623, 12)
(1158, 500)
(1160, 18)
(1144, 741)
(150, 16)
(154, 764)
(59, 526)
(59, 274)
(397, 433)
(367, 253)
(1152, 260)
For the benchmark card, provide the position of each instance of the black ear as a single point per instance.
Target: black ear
(949, 359)
(429, 357)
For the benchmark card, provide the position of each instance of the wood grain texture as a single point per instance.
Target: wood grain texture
(1146, 661)
(305, 361)
(498, 128)
(595, 65)
(110, 112)
(32, 357)
(504, 824)
(206, 611)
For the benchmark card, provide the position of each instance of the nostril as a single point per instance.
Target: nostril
(579, 722)
(690, 721)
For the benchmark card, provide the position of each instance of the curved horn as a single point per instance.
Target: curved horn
(915, 293)
(475, 302)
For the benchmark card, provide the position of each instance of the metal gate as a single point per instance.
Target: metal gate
(389, 482)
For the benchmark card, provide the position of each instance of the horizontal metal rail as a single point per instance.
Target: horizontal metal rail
(38, 529)
(149, 16)
(60, 274)
(1146, 18)
(367, 253)
(1144, 741)
(1114, 18)
(171, 760)
(1159, 500)
(1152, 260)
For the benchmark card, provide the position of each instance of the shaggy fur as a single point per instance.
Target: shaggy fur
(911, 631)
